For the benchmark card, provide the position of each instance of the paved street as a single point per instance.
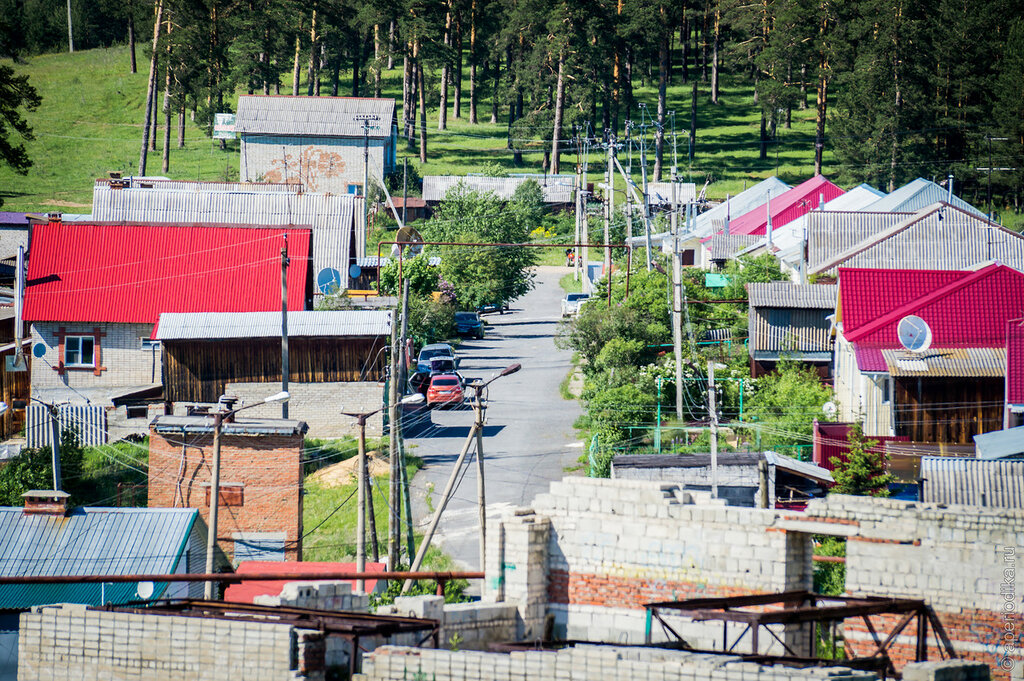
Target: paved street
(528, 437)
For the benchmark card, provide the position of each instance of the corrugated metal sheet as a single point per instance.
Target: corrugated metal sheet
(935, 238)
(973, 482)
(919, 194)
(90, 422)
(556, 188)
(89, 541)
(804, 469)
(789, 239)
(832, 233)
(199, 185)
(132, 273)
(301, 324)
(326, 116)
(785, 330)
(786, 207)
(1000, 444)
(785, 294)
(336, 219)
(660, 193)
(860, 303)
(725, 246)
(953, 362)
(1015, 362)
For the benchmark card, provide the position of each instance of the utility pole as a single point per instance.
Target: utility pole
(646, 206)
(713, 415)
(361, 503)
(394, 529)
(478, 407)
(366, 119)
(609, 179)
(285, 371)
(579, 207)
(405, 194)
(211, 539)
(989, 169)
(583, 263)
(677, 299)
(402, 493)
(55, 448)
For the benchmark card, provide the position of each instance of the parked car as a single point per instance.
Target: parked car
(445, 389)
(493, 307)
(469, 324)
(428, 352)
(571, 303)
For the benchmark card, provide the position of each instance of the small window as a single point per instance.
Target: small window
(353, 189)
(148, 343)
(137, 412)
(78, 351)
(886, 392)
(231, 494)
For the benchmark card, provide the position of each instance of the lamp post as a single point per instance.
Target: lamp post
(218, 423)
(475, 434)
(361, 486)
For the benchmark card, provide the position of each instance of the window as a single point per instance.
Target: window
(886, 391)
(79, 351)
(353, 189)
(148, 343)
(137, 412)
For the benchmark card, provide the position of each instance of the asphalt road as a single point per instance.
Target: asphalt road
(528, 437)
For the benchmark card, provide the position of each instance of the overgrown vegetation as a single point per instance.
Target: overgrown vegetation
(864, 470)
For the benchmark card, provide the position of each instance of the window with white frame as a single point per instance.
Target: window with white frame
(79, 351)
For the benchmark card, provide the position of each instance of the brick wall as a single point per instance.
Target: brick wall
(71, 643)
(319, 405)
(268, 467)
(125, 361)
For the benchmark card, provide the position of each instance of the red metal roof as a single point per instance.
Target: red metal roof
(246, 592)
(132, 273)
(970, 311)
(860, 291)
(786, 207)
(1015, 362)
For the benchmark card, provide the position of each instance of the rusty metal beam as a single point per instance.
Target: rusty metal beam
(234, 577)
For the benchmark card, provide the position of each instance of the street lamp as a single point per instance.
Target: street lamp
(415, 398)
(218, 422)
(475, 433)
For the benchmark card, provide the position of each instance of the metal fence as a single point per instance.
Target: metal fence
(90, 422)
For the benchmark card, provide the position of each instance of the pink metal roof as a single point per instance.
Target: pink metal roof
(132, 273)
(1015, 362)
(786, 207)
(866, 294)
(970, 311)
(247, 591)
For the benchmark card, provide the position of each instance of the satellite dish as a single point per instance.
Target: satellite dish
(145, 590)
(407, 235)
(829, 408)
(39, 350)
(328, 281)
(354, 271)
(914, 333)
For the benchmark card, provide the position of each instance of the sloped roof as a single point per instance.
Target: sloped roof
(725, 246)
(938, 237)
(301, 324)
(973, 482)
(314, 116)
(968, 312)
(1000, 444)
(132, 273)
(556, 188)
(1015, 362)
(660, 193)
(951, 362)
(919, 194)
(133, 182)
(861, 303)
(89, 541)
(786, 207)
(832, 233)
(786, 294)
(336, 219)
(8, 219)
(789, 237)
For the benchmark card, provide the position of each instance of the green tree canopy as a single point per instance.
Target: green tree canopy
(784, 404)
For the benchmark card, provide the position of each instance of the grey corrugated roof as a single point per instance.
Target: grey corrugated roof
(200, 185)
(919, 194)
(660, 193)
(830, 233)
(786, 294)
(973, 482)
(801, 468)
(301, 324)
(556, 188)
(804, 469)
(956, 362)
(240, 426)
(1000, 444)
(88, 541)
(939, 237)
(314, 116)
(801, 333)
(334, 218)
(724, 246)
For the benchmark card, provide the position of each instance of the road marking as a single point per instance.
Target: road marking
(575, 445)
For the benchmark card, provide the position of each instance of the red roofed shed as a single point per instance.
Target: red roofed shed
(787, 206)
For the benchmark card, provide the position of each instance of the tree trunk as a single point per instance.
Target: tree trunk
(517, 154)
(313, 87)
(822, 105)
(151, 87)
(406, 101)
(494, 93)
(181, 126)
(442, 107)
(336, 74)
(166, 160)
(391, 45)
(714, 53)
(457, 80)
(131, 36)
(659, 133)
(559, 105)
(295, 69)
(763, 151)
(357, 54)
(376, 60)
(704, 47)
(472, 63)
(423, 114)
(155, 118)
(684, 42)
(803, 87)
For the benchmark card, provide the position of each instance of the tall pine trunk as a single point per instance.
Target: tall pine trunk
(391, 45)
(715, 38)
(423, 113)
(295, 68)
(659, 135)
(151, 87)
(472, 63)
(406, 96)
(442, 107)
(131, 36)
(376, 60)
(457, 79)
(166, 159)
(684, 44)
(559, 105)
(181, 126)
(494, 92)
(313, 87)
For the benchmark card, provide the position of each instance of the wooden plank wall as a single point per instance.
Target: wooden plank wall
(948, 409)
(197, 371)
(14, 386)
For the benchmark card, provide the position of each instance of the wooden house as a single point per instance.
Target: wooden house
(790, 321)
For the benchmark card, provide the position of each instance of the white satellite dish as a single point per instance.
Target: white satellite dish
(914, 333)
(830, 409)
(145, 590)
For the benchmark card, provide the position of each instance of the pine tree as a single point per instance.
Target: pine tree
(864, 471)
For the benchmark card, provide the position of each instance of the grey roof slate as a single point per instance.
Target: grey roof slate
(786, 294)
(313, 116)
(916, 195)
(1000, 444)
(725, 246)
(830, 233)
(973, 482)
(240, 426)
(178, 326)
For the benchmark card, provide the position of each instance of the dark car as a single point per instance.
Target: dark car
(493, 307)
(469, 324)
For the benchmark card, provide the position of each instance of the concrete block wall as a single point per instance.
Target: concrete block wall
(964, 561)
(466, 626)
(517, 568)
(615, 545)
(319, 405)
(269, 468)
(583, 663)
(126, 362)
(72, 643)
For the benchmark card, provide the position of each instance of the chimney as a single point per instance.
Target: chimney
(46, 502)
(55, 218)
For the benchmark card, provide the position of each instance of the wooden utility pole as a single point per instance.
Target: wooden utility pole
(151, 88)
(361, 504)
(478, 408)
(394, 520)
(559, 106)
(713, 416)
(610, 214)
(284, 325)
(677, 300)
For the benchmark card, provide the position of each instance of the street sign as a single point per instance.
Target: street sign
(223, 126)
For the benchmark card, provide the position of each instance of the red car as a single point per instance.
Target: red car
(445, 389)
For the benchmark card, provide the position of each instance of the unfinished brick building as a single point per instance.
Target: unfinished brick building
(260, 510)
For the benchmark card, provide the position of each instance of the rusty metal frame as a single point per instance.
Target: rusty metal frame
(349, 625)
(806, 607)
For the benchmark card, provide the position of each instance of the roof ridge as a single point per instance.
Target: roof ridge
(927, 298)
